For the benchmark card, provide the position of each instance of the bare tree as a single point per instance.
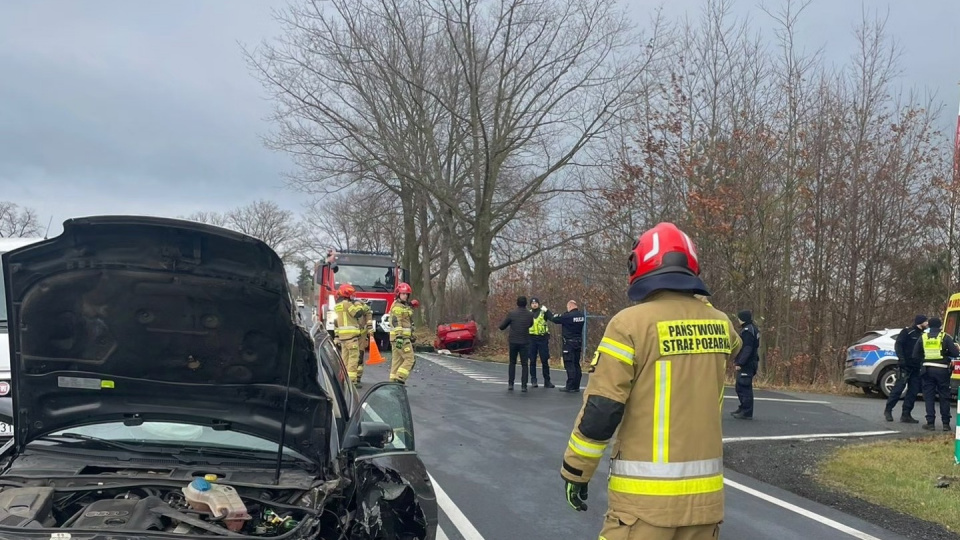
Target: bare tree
(18, 222)
(262, 219)
(482, 105)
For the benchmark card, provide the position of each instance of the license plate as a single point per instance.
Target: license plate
(6, 430)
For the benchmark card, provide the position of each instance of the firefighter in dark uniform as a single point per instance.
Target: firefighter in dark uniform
(571, 323)
(937, 350)
(746, 365)
(655, 393)
(540, 342)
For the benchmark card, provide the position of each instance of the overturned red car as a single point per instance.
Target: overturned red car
(456, 337)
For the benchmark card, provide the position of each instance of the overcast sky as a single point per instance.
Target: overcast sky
(148, 107)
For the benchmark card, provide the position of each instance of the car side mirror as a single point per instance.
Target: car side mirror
(371, 434)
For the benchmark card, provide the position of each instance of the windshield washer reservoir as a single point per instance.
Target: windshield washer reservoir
(223, 502)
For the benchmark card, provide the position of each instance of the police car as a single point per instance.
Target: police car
(872, 362)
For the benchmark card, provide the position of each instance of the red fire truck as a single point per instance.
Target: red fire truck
(375, 276)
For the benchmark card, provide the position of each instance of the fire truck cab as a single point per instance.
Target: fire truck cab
(375, 276)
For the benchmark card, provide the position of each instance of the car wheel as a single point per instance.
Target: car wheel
(887, 381)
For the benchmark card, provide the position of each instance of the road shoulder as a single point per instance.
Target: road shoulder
(791, 466)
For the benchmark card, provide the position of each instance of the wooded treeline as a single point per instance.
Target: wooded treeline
(512, 147)
(508, 147)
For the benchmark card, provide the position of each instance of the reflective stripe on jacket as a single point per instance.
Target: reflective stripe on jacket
(401, 320)
(658, 385)
(347, 324)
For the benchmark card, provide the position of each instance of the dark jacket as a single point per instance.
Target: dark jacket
(519, 320)
(948, 351)
(749, 357)
(906, 344)
(572, 326)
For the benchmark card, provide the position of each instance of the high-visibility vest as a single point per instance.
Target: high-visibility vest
(539, 327)
(933, 351)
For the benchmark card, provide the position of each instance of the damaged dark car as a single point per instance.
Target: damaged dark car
(163, 388)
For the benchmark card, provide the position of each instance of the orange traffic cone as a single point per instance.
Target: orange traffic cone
(375, 357)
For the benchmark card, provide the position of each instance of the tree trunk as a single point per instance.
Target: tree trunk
(428, 303)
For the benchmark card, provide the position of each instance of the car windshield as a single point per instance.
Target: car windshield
(183, 435)
(366, 277)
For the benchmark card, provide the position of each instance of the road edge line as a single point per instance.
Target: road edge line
(454, 514)
(801, 511)
(809, 436)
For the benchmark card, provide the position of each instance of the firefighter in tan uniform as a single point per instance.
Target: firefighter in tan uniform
(401, 335)
(365, 322)
(658, 385)
(348, 329)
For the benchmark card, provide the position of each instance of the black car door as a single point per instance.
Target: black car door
(393, 492)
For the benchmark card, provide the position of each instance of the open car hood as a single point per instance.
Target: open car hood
(135, 319)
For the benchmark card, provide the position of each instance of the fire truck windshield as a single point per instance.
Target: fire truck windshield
(366, 278)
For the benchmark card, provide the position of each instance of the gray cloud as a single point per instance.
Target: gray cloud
(149, 107)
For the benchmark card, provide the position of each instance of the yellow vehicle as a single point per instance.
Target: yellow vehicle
(951, 325)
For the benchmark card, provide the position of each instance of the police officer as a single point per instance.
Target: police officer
(540, 342)
(401, 335)
(347, 328)
(657, 384)
(571, 323)
(746, 365)
(936, 349)
(909, 371)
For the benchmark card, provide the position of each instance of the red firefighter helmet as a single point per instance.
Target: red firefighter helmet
(404, 288)
(346, 291)
(662, 249)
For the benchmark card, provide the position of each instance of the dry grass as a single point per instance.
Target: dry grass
(901, 475)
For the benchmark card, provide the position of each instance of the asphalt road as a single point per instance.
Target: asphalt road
(496, 457)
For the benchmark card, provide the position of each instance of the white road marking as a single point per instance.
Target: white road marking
(810, 436)
(783, 400)
(460, 521)
(802, 511)
(441, 535)
(465, 371)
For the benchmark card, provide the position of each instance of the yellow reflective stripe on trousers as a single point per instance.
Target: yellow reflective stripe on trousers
(661, 412)
(586, 449)
(621, 352)
(676, 470)
(658, 488)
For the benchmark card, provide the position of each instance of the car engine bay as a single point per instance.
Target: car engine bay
(203, 507)
(169, 503)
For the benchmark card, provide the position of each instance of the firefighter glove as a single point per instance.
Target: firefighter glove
(577, 495)
(543, 309)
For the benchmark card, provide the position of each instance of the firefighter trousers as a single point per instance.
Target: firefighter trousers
(402, 360)
(350, 351)
(620, 526)
(364, 346)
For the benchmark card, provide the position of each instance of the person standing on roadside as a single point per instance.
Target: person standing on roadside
(909, 371)
(519, 321)
(936, 350)
(654, 397)
(540, 342)
(746, 365)
(571, 323)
